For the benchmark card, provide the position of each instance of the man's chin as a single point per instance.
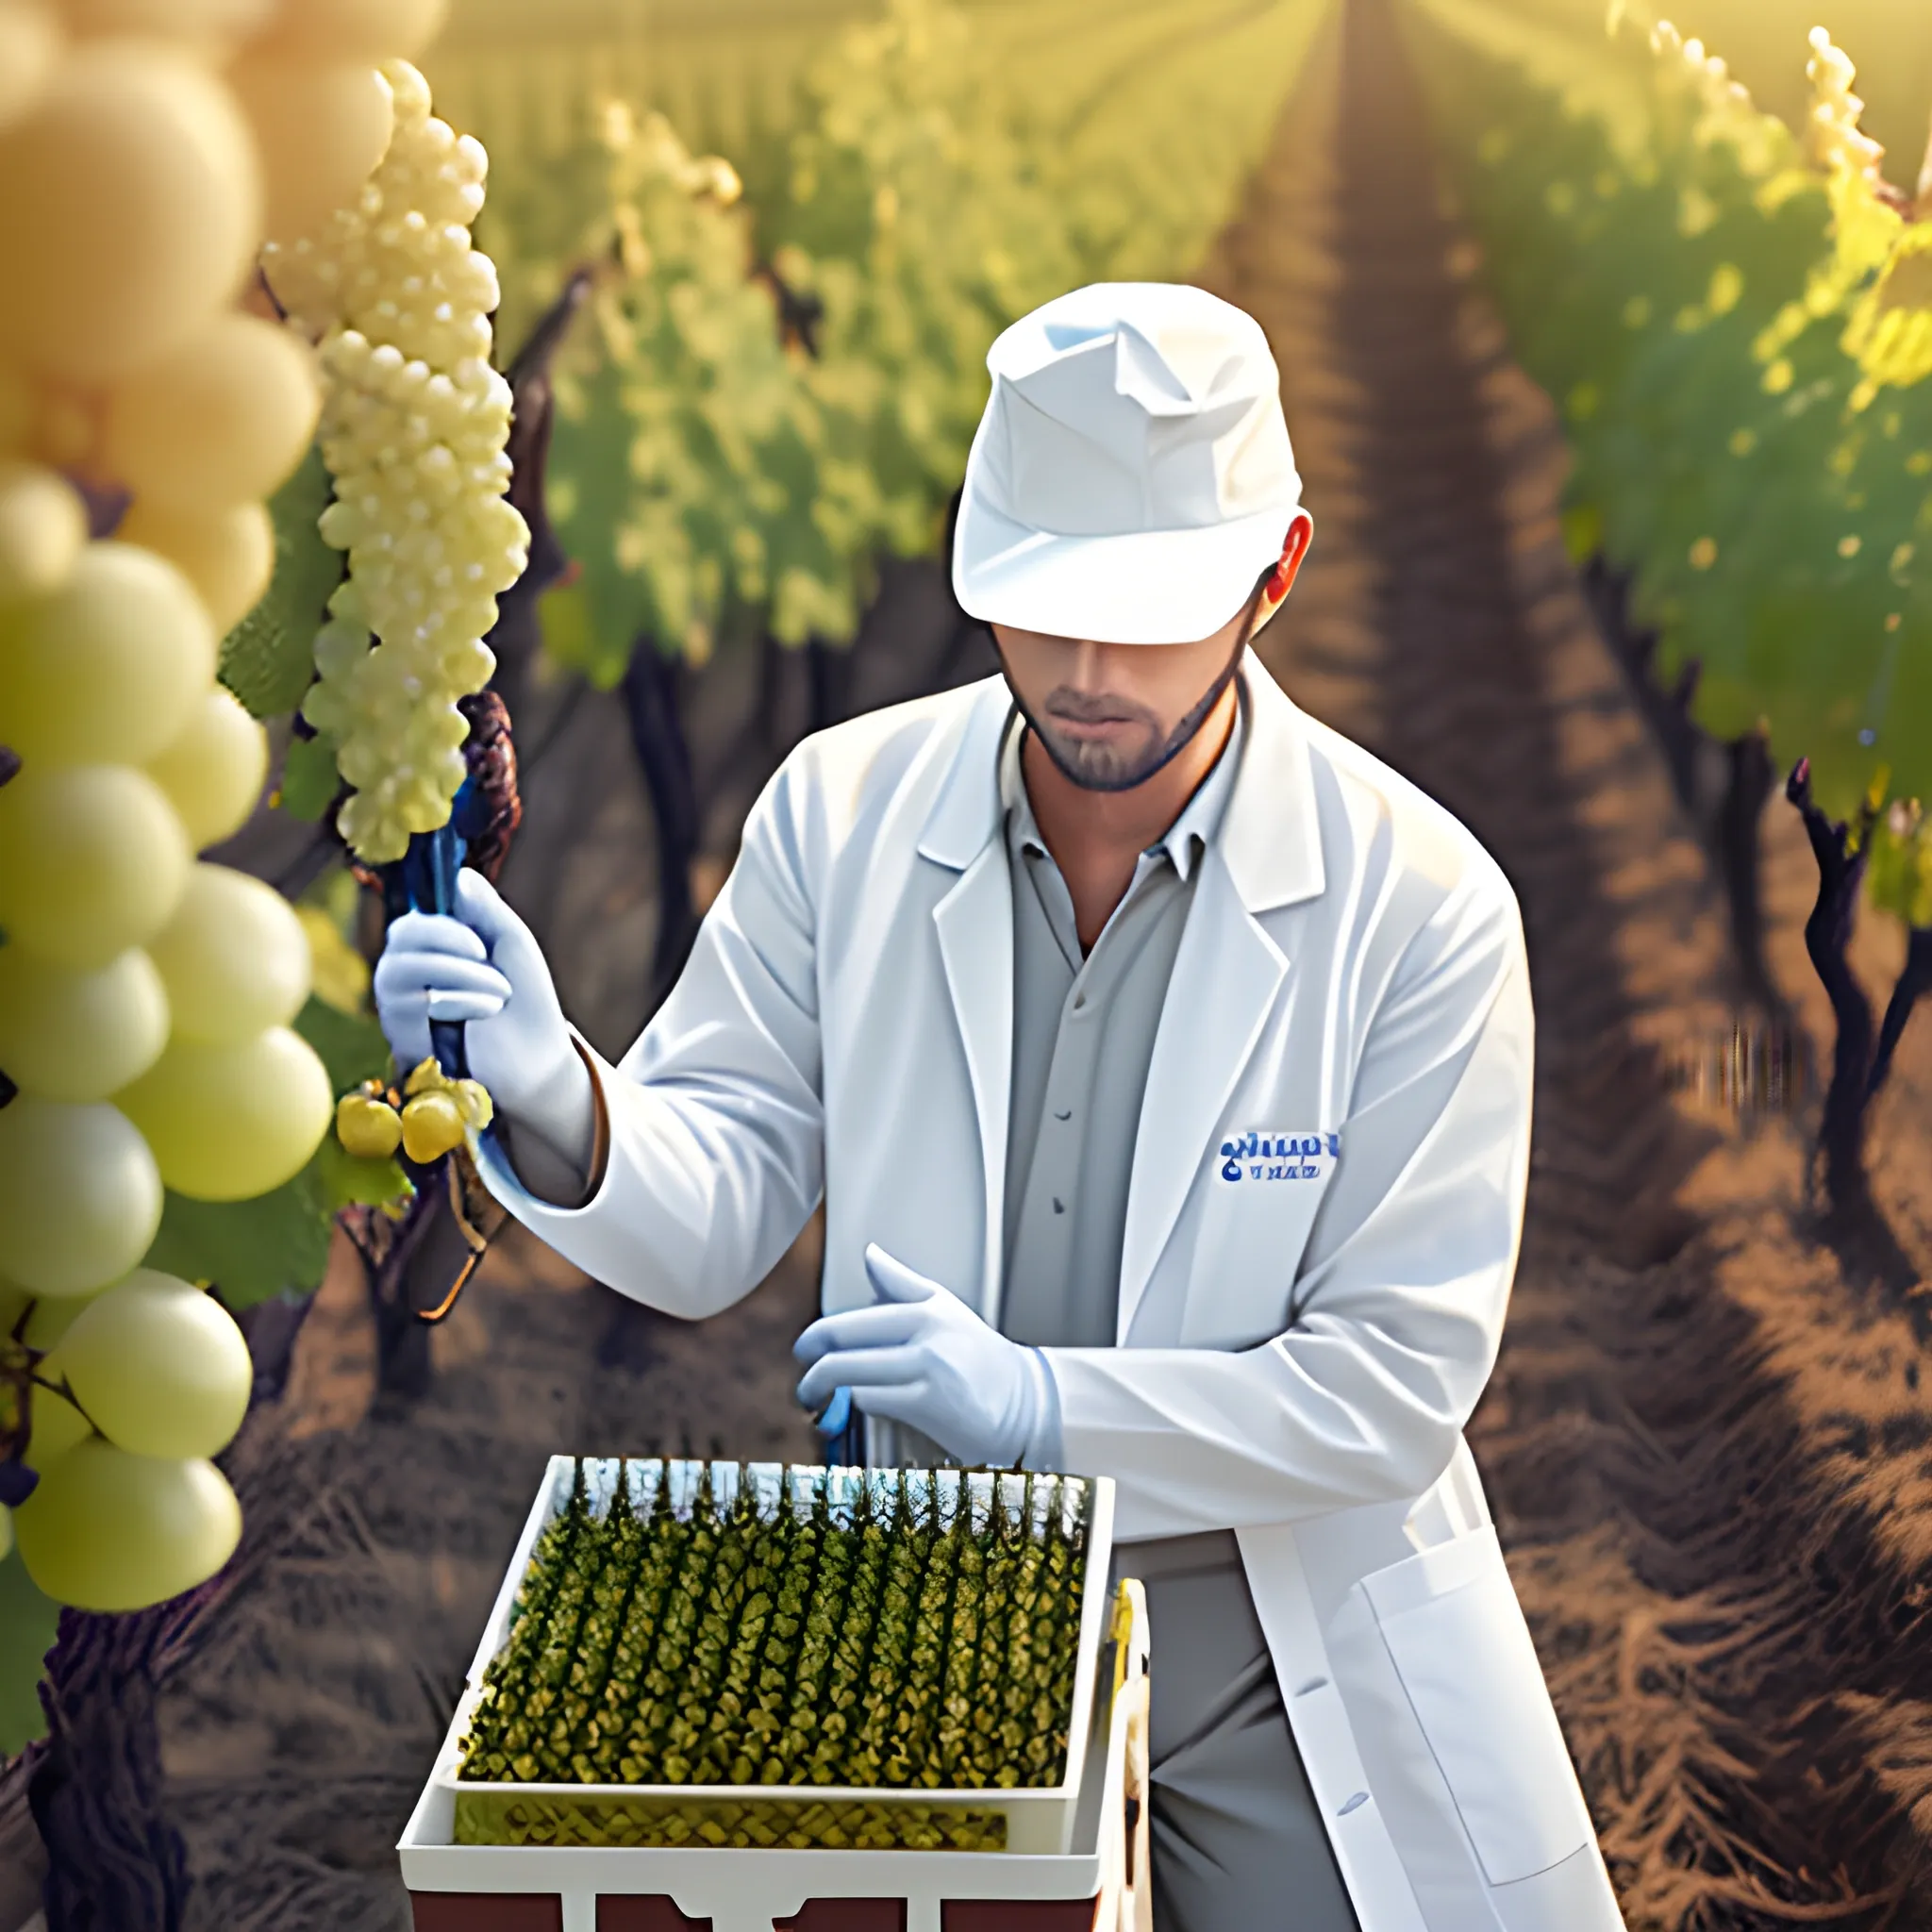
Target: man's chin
(1101, 768)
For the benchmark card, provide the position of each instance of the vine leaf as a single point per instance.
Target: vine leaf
(28, 1622)
(269, 657)
(310, 780)
(350, 1045)
(350, 1180)
(252, 1251)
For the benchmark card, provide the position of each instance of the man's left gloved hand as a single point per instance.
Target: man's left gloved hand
(920, 1355)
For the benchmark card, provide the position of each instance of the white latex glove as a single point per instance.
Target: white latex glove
(484, 968)
(920, 1355)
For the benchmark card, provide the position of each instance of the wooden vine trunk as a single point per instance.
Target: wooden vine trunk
(115, 1862)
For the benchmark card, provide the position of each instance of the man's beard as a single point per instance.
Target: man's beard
(1106, 766)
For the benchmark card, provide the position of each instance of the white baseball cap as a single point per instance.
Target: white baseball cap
(1132, 477)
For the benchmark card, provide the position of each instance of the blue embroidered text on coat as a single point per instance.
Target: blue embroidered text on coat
(1277, 1156)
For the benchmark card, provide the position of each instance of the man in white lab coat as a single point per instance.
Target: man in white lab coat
(1163, 1061)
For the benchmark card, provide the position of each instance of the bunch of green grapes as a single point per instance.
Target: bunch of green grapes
(415, 427)
(145, 997)
(145, 1001)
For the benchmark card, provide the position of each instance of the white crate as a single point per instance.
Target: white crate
(1100, 1879)
(1039, 1821)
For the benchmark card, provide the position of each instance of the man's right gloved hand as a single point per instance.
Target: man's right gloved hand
(483, 966)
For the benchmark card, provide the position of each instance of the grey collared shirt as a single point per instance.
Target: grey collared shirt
(1237, 1832)
(1083, 1038)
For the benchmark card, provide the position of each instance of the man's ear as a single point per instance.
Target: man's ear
(1295, 547)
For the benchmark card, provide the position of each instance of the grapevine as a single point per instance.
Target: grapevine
(1736, 324)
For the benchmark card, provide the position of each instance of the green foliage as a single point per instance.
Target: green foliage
(350, 1180)
(309, 779)
(1657, 247)
(947, 168)
(698, 465)
(1147, 120)
(251, 1251)
(929, 226)
(350, 1045)
(1764, 43)
(1899, 873)
(268, 659)
(28, 1622)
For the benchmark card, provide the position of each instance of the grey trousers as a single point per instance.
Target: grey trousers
(1237, 1841)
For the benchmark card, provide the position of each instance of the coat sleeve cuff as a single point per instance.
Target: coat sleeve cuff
(501, 1176)
(1044, 1448)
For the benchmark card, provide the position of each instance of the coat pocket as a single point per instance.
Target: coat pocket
(1460, 1646)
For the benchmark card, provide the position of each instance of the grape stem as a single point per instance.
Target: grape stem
(64, 1389)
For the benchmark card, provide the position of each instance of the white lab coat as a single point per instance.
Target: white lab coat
(1298, 1347)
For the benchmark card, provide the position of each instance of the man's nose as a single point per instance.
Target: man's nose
(1093, 667)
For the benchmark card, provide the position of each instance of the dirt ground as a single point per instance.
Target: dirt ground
(1706, 1440)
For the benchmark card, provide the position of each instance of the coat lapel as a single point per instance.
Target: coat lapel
(976, 929)
(975, 925)
(1226, 976)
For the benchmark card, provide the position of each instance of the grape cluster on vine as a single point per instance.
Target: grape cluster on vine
(413, 430)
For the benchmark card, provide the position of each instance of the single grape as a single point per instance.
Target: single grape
(369, 1128)
(56, 1426)
(234, 958)
(432, 1126)
(29, 51)
(229, 1122)
(220, 421)
(80, 1196)
(214, 769)
(42, 522)
(109, 1530)
(227, 555)
(6, 1532)
(159, 1366)
(320, 128)
(92, 860)
(217, 20)
(473, 1103)
(110, 667)
(54, 1316)
(132, 209)
(369, 31)
(17, 1483)
(68, 1035)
